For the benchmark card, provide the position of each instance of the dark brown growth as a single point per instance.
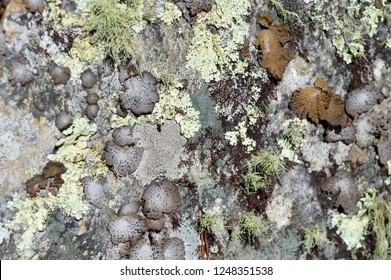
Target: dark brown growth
(50, 179)
(319, 103)
(271, 42)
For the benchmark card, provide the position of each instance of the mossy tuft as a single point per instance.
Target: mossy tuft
(251, 226)
(260, 170)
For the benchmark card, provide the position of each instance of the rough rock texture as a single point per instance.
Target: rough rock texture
(361, 100)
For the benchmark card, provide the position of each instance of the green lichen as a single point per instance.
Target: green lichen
(175, 104)
(313, 237)
(292, 138)
(73, 151)
(374, 215)
(260, 170)
(351, 28)
(388, 180)
(171, 13)
(214, 55)
(115, 25)
(212, 222)
(252, 226)
(379, 213)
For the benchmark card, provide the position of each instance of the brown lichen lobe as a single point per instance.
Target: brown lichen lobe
(271, 42)
(50, 179)
(319, 103)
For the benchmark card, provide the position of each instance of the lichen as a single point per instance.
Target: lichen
(240, 132)
(175, 104)
(213, 55)
(348, 29)
(252, 226)
(73, 152)
(292, 138)
(171, 13)
(260, 170)
(212, 222)
(313, 237)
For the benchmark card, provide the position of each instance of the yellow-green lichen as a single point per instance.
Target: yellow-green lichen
(374, 215)
(293, 137)
(350, 28)
(260, 170)
(252, 226)
(176, 105)
(74, 153)
(313, 237)
(388, 180)
(213, 54)
(170, 14)
(213, 222)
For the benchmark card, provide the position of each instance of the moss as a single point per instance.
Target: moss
(380, 219)
(252, 226)
(213, 55)
(313, 237)
(260, 170)
(292, 138)
(115, 24)
(32, 213)
(212, 223)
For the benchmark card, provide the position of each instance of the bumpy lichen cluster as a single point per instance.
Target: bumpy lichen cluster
(351, 29)
(213, 54)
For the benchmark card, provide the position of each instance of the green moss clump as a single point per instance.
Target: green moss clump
(114, 24)
(212, 223)
(251, 226)
(313, 237)
(260, 170)
(380, 219)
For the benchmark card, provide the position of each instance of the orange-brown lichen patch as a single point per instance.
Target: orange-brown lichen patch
(245, 51)
(319, 103)
(265, 20)
(271, 42)
(50, 179)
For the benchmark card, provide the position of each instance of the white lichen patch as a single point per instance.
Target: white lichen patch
(163, 151)
(354, 228)
(240, 133)
(318, 153)
(213, 55)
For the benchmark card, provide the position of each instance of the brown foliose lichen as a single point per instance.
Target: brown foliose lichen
(319, 103)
